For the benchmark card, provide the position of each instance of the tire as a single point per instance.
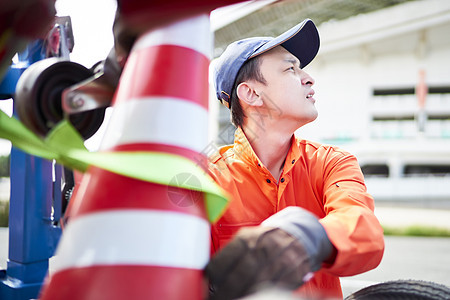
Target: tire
(403, 289)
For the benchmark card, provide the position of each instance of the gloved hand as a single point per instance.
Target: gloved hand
(282, 252)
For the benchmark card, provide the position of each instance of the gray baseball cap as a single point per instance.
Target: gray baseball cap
(302, 41)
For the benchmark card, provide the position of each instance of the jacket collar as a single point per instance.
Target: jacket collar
(243, 150)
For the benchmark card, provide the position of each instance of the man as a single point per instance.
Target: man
(301, 206)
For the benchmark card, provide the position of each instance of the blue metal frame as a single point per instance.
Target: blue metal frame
(34, 205)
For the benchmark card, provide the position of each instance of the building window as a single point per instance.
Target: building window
(420, 170)
(395, 113)
(375, 170)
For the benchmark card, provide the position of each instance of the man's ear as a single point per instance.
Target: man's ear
(246, 92)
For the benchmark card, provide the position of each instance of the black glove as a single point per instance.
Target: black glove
(282, 252)
(304, 226)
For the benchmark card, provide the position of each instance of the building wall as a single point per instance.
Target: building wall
(347, 77)
(385, 130)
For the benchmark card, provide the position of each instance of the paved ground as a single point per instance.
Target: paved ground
(3, 247)
(419, 258)
(409, 257)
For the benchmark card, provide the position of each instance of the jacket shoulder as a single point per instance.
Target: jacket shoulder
(317, 148)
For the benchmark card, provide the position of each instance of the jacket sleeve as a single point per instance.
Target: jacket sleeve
(349, 219)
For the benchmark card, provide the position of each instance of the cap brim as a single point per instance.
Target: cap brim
(302, 41)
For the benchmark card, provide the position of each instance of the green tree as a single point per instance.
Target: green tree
(4, 214)
(5, 165)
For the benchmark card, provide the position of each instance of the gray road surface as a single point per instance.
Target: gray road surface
(3, 247)
(407, 258)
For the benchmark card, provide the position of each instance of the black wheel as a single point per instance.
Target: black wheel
(403, 289)
(38, 97)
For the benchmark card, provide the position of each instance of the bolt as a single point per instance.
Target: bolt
(77, 101)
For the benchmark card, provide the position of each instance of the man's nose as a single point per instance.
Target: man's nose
(307, 79)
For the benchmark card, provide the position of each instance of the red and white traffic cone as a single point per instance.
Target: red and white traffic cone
(131, 239)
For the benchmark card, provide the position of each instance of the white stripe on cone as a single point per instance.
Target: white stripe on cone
(134, 237)
(161, 120)
(191, 33)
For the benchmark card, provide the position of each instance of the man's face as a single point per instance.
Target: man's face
(288, 88)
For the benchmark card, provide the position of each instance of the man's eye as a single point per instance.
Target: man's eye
(291, 69)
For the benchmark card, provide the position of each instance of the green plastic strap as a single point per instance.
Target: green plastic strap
(21, 137)
(66, 146)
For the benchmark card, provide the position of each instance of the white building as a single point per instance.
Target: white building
(367, 73)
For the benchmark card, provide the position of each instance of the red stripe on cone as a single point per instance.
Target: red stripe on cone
(110, 191)
(177, 73)
(125, 282)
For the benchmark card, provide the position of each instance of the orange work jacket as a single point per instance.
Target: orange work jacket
(323, 179)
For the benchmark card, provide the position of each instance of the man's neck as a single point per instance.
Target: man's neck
(270, 145)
